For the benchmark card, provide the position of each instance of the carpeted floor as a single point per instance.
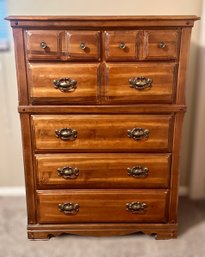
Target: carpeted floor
(13, 241)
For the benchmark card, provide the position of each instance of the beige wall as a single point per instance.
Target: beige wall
(11, 173)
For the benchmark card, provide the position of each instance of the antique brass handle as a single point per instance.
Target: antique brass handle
(69, 208)
(138, 133)
(136, 207)
(162, 44)
(65, 84)
(83, 46)
(66, 134)
(140, 83)
(68, 172)
(122, 45)
(138, 171)
(43, 45)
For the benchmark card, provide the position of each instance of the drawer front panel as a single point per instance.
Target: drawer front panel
(102, 132)
(83, 44)
(100, 206)
(120, 45)
(153, 83)
(102, 170)
(63, 83)
(43, 44)
(160, 44)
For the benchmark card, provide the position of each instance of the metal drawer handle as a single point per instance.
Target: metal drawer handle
(136, 207)
(122, 45)
(43, 45)
(162, 45)
(65, 84)
(138, 133)
(138, 171)
(68, 172)
(69, 208)
(66, 134)
(140, 83)
(83, 46)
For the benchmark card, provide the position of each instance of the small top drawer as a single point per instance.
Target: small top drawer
(43, 44)
(62, 45)
(160, 44)
(83, 45)
(120, 45)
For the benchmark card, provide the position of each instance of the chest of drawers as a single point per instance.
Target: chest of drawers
(101, 102)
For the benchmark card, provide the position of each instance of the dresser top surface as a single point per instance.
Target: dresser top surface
(112, 18)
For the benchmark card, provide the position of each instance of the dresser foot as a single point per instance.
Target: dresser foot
(40, 235)
(45, 232)
(166, 235)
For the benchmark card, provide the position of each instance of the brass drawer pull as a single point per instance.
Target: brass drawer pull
(138, 133)
(43, 45)
(69, 208)
(136, 207)
(68, 172)
(162, 45)
(138, 171)
(65, 84)
(122, 45)
(140, 83)
(83, 46)
(66, 134)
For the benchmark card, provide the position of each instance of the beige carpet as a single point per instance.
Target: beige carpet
(13, 241)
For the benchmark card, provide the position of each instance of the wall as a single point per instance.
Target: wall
(10, 151)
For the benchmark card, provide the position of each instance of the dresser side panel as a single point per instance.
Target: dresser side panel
(20, 66)
(183, 61)
(28, 167)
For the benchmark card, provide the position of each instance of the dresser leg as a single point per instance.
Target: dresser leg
(39, 235)
(166, 235)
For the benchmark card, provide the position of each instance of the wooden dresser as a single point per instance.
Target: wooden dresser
(101, 102)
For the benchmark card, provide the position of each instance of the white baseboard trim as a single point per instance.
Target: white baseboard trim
(12, 191)
(20, 191)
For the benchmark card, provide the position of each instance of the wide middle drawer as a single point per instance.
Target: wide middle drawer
(60, 83)
(140, 82)
(102, 132)
(102, 170)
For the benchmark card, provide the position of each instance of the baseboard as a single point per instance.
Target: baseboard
(20, 191)
(12, 191)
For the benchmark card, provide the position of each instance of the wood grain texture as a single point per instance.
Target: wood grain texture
(91, 40)
(20, 66)
(103, 170)
(151, 45)
(112, 41)
(119, 90)
(28, 168)
(102, 132)
(42, 90)
(102, 109)
(102, 21)
(52, 39)
(102, 206)
(184, 54)
(46, 231)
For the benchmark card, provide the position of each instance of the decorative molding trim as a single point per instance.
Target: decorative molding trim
(20, 191)
(12, 191)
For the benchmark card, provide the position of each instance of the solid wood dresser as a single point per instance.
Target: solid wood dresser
(101, 102)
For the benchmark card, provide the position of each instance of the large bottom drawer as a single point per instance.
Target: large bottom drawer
(75, 206)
